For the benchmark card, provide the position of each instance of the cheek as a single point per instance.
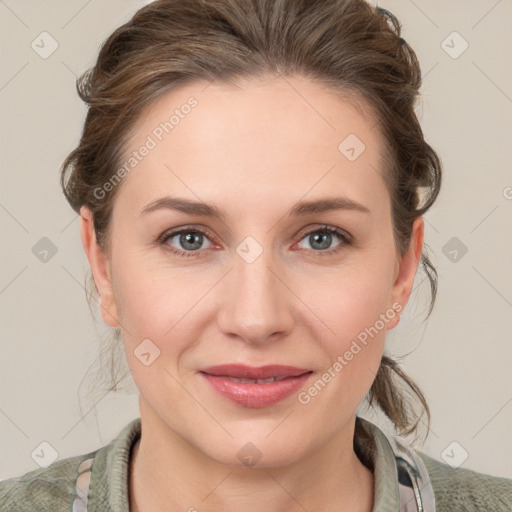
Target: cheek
(153, 314)
(352, 313)
(347, 301)
(352, 347)
(155, 303)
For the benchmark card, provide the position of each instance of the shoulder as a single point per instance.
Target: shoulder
(464, 490)
(44, 489)
(64, 485)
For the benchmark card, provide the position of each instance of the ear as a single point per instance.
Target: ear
(100, 268)
(406, 270)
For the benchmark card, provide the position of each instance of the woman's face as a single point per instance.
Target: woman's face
(262, 283)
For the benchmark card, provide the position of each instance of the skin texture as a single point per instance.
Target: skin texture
(253, 150)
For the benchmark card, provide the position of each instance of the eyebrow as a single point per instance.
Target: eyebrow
(300, 209)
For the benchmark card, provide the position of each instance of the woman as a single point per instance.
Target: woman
(251, 181)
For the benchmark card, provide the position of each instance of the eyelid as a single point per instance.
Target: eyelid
(188, 228)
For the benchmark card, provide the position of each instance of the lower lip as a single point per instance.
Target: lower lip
(256, 395)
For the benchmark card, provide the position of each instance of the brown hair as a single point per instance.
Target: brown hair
(348, 45)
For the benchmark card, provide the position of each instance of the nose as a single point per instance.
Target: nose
(256, 304)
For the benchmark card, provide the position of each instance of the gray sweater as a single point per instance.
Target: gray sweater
(98, 481)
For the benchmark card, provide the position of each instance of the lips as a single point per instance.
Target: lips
(256, 387)
(240, 371)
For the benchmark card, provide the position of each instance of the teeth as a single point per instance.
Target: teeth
(256, 381)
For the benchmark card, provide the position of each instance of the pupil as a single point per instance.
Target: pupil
(326, 236)
(188, 238)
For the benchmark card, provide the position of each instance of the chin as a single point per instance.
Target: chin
(253, 452)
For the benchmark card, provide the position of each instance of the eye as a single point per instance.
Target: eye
(189, 239)
(320, 239)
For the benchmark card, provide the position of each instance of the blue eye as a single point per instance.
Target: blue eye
(191, 240)
(322, 237)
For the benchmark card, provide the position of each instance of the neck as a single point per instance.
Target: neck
(168, 473)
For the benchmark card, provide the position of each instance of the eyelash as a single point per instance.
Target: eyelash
(344, 237)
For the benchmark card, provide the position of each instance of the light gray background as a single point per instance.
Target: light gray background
(460, 358)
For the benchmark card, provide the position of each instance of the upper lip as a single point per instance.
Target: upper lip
(241, 371)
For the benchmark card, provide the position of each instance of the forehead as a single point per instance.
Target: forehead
(255, 140)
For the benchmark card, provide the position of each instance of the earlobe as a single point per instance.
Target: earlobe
(99, 264)
(407, 267)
